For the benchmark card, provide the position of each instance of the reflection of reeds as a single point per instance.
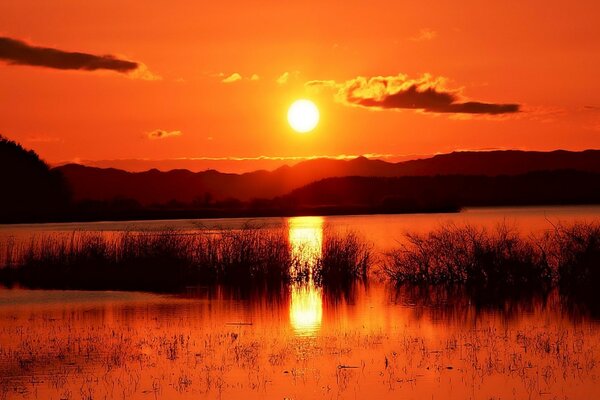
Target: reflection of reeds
(567, 255)
(181, 355)
(171, 260)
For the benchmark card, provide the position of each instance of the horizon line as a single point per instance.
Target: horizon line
(386, 157)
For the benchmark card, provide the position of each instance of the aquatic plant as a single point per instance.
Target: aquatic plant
(155, 260)
(568, 255)
(170, 260)
(344, 258)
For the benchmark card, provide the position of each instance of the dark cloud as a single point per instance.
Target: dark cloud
(16, 52)
(476, 107)
(162, 134)
(399, 92)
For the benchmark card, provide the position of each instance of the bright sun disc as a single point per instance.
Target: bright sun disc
(303, 116)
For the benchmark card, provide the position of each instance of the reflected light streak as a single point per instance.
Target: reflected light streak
(306, 304)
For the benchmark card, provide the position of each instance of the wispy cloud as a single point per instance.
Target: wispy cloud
(232, 78)
(291, 158)
(257, 158)
(237, 77)
(426, 94)
(283, 78)
(224, 164)
(17, 52)
(162, 134)
(286, 77)
(424, 35)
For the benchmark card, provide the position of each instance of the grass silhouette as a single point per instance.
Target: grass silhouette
(567, 256)
(170, 260)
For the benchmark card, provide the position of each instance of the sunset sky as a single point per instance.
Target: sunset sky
(207, 84)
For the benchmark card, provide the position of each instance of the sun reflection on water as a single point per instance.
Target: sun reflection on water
(306, 304)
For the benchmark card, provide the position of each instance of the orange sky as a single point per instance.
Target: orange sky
(543, 56)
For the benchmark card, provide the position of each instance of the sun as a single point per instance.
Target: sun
(303, 116)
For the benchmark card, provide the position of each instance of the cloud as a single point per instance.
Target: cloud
(162, 134)
(398, 92)
(232, 78)
(283, 78)
(16, 52)
(342, 157)
(142, 72)
(286, 76)
(236, 77)
(424, 35)
(224, 164)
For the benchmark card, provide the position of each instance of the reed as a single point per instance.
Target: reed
(158, 261)
(344, 259)
(574, 252)
(170, 260)
(567, 255)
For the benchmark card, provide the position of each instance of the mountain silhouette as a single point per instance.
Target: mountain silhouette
(156, 187)
(414, 193)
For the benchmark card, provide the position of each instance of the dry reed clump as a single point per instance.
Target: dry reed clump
(158, 261)
(574, 252)
(451, 254)
(170, 260)
(344, 259)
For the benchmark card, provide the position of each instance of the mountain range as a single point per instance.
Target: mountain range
(157, 187)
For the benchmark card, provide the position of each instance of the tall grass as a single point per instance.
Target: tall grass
(488, 260)
(568, 256)
(344, 258)
(159, 261)
(574, 252)
(171, 260)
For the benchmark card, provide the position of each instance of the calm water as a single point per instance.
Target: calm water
(300, 343)
(383, 230)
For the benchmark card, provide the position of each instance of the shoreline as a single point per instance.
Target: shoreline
(158, 215)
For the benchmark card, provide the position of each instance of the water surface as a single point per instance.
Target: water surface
(302, 341)
(383, 230)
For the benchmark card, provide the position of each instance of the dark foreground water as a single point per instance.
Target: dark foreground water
(299, 344)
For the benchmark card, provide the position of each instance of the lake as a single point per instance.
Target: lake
(300, 342)
(382, 230)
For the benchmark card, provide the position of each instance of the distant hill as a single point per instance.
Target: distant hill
(156, 187)
(446, 191)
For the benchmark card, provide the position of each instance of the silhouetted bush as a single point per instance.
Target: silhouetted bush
(344, 259)
(499, 259)
(574, 252)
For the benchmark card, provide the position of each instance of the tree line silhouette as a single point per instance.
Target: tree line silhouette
(31, 190)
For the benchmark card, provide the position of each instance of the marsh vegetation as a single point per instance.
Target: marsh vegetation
(171, 260)
(492, 260)
(501, 259)
(301, 312)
